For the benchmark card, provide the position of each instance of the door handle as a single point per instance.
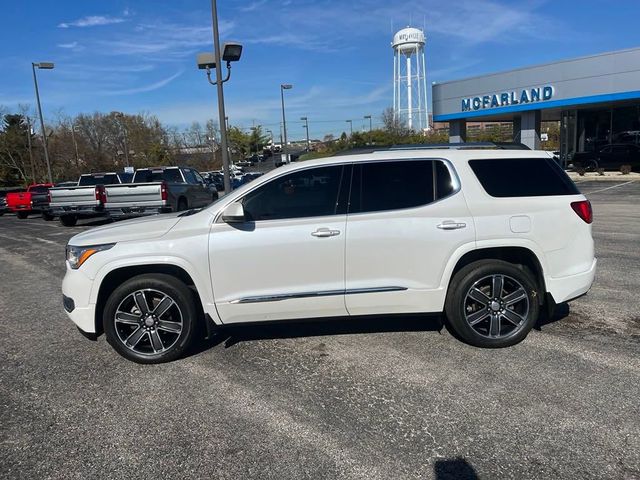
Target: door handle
(325, 232)
(451, 225)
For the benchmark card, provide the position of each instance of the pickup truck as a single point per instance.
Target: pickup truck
(34, 200)
(86, 200)
(159, 190)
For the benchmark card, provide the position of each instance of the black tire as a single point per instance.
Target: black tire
(68, 220)
(22, 215)
(591, 165)
(47, 216)
(182, 205)
(494, 325)
(182, 311)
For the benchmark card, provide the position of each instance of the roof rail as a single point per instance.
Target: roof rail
(461, 145)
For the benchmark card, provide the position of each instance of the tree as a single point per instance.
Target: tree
(393, 124)
(15, 163)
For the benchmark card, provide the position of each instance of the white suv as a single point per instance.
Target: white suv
(487, 236)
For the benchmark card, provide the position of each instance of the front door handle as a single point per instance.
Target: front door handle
(325, 232)
(451, 225)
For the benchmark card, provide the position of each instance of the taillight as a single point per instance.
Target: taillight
(101, 194)
(163, 191)
(583, 209)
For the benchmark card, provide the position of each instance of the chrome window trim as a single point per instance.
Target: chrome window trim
(324, 293)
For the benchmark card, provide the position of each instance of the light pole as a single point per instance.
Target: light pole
(42, 66)
(370, 123)
(306, 127)
(75, 144)
(283, 87)
(232, 53)
(120, 117)
(350, 122)
(33, 168)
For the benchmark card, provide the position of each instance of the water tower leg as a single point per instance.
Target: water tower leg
(409, 85)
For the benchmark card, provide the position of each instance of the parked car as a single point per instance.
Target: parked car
(86, 199)
(3, 200)
(159, 190)
(490, 237)
(609, 157)
(34, 200)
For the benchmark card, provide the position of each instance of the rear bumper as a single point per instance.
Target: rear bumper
(81, 211)
(563, 289)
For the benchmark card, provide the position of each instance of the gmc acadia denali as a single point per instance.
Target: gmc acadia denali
(489, 237)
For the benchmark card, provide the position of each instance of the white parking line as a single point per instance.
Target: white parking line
(609, 188)
(50, 242)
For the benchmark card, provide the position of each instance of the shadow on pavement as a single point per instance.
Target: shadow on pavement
(560, 312)
(454, 468)
(232, 335)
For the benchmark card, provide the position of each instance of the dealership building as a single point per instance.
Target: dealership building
(596, 99)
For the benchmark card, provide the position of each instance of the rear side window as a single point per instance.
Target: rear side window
(89, 180)
(394, 185)
(171, 175)
(522, 177)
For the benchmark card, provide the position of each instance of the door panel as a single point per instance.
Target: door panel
(403, 248)
(402, 252)
(286, 260)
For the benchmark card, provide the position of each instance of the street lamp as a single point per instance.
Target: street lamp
(42, 66)
(350, 122)
(306, 127)
(283, 87)
(368, 117)
(123, 126)
(232, 53)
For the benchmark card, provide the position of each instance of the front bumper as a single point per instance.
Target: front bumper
(76, 287)
(563, 289)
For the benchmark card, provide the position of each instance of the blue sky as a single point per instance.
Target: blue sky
(139, 56)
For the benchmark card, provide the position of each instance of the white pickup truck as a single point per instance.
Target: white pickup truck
(86, 200)
(159, 190)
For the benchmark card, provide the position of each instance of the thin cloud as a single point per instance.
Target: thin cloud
(145, 88)
(71, 45)
(253, 6)
(93, 21)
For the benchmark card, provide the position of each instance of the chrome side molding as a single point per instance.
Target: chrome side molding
(325, 293)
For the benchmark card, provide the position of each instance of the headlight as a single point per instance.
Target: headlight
(76, 256)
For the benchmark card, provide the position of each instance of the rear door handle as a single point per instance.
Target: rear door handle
(451, 225)
(325, 232)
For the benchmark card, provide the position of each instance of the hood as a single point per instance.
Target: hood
(129, 230)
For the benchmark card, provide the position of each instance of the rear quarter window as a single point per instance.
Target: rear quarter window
(522, 177)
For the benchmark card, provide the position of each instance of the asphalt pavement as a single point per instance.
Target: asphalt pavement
(373, 398)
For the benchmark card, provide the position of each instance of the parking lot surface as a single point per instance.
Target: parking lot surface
(388, 398)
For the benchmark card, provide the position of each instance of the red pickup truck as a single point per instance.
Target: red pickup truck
(34, 200)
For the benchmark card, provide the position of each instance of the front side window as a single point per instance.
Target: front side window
(308, 193)
(393, 185)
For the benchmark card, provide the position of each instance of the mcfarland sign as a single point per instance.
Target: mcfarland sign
(505, 99)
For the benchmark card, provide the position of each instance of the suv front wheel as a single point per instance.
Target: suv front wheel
(150, 318)
(492, 303)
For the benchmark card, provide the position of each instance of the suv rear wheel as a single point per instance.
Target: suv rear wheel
(150, 318)
(492, 303)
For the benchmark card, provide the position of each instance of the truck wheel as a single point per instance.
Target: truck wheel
(182, 205)
(22, 215)
(68, 220)
(47, 216)
(492, 303)
(150, 318)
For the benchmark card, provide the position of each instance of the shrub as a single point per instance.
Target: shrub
(625, 169)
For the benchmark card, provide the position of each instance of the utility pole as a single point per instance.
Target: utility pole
(284, 87)
(75, 144)
(46, 66)
(306, 127)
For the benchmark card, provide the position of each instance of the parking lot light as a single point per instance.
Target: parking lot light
(42, 66)
(283, 87)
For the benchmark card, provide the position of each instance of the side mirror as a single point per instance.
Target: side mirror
(233, 213)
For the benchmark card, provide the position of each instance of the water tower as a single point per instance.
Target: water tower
(410, 79)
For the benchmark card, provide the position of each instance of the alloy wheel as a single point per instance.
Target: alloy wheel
(496, 306)
(148, 322)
